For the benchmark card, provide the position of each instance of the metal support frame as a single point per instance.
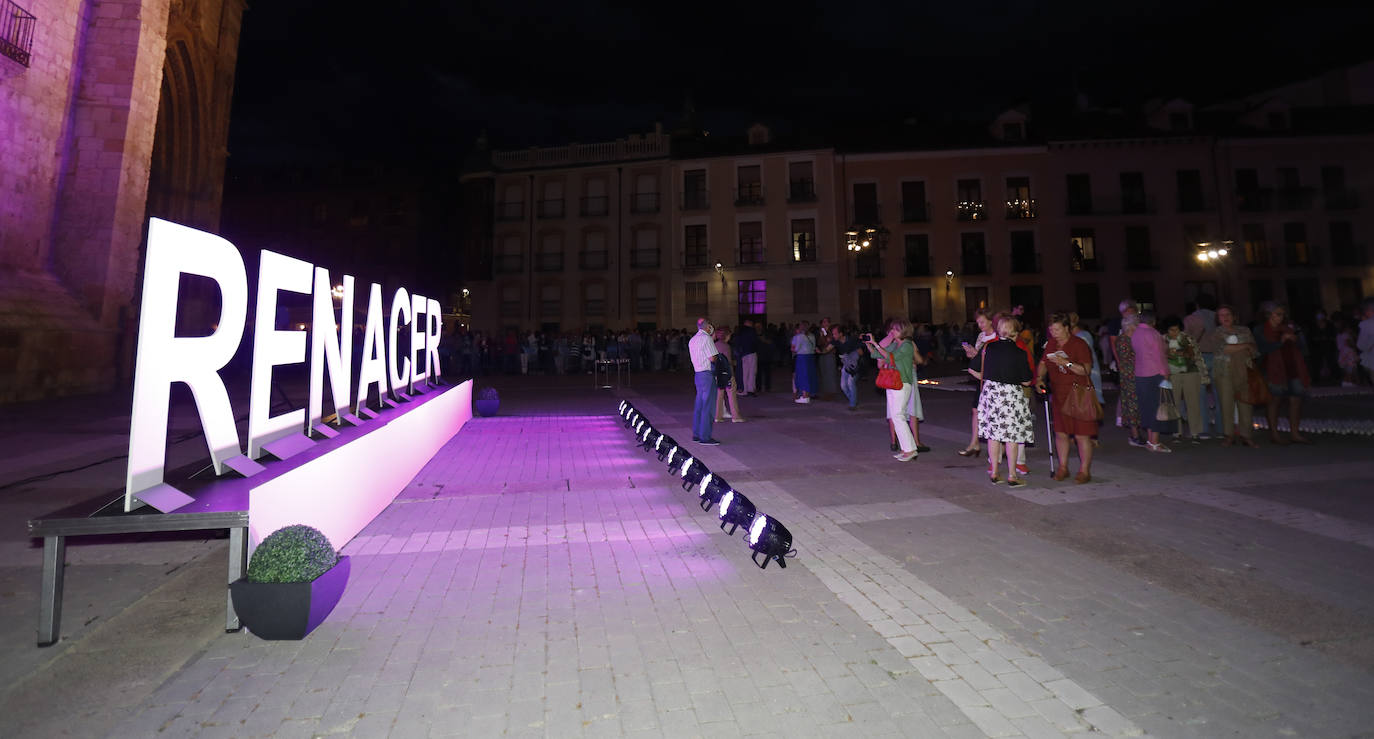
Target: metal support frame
(103, 516)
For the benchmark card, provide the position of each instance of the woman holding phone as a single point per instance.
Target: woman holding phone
(897, 351)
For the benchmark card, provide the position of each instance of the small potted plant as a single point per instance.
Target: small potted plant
(488, 401)
(294, 580)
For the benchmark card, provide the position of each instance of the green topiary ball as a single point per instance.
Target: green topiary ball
(296, 553)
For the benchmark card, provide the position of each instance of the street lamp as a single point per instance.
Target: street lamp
(858, 238)
(1211, 251)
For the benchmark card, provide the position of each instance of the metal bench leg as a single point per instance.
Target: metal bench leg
(50, 606)
(238, 559)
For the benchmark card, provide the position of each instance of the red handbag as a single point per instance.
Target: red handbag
(889, 379)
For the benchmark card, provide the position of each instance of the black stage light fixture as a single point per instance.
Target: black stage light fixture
(693, 473)
(711, 488)
(620, 409)
(631, 417)
(646, 437)
(735, 510)
(677, 461)
(640, 425)
(664, 445)
(771, 539)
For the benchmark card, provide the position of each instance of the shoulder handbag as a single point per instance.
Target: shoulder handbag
(1168, 409)
(1082, 403)
(888, 378)
(1256, 390)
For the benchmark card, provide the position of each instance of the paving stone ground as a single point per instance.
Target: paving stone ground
(543, 577)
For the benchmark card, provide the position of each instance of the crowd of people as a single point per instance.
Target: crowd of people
(1182, 379)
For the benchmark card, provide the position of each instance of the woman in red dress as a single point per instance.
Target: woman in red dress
(1067, 362)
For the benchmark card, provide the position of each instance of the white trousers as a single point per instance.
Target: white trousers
(897, 411)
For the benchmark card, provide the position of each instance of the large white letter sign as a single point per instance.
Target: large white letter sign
(330, 346)
(399, 376)
(418, 305)
(271, 348)
(164, 358)
(373, 369)
(435, 315)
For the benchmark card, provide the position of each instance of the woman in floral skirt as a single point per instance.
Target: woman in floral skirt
(1128, 413)
(1004, 416)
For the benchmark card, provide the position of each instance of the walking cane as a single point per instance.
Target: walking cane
(1049, 428)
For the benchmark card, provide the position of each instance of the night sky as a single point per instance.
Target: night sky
(412, 81)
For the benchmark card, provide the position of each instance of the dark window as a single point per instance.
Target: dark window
(973, 253)
(1024, 260)
(918, 306)
(695, 253)
(1297, 252)
(801, 182)
(749, 182)
(917, 248)
(866, 203)
(915, 209)
(1250, 197)
(1334, 190)
(974, 298)
(1133, 198)
(871, 308)
(1256, 245)
(1190, 197)
(696, 299)
(751, 242)
(1342, 240)
(1138, 254)
(1080, 194)
(803, 239)
(1143, 293)
(1087, 300)
(805, 300)
(694, 195)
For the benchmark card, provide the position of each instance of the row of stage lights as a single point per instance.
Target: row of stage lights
(765, 535)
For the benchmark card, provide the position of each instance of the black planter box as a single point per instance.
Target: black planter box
(289, 610)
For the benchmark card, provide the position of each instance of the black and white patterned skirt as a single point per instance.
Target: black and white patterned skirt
(1004, 413)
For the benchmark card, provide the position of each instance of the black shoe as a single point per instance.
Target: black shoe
(896, 447)
(922, 448)
(710, 442)
(696, 438)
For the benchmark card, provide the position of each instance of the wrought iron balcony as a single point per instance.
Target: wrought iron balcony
(510, 211)
(1300, 255)
(1255, 201)
(590, 260)
(1296, 198)
(550, 208)
(595, 205)
(1021, 210)
(749, 195)
(1025, 263)
(971, 210)
(1140, 260)
(974, 264)
(1344, 199)
(548, 263)
(644, 258)
(801, 191)
(1136, 203)
(644, 202)
(915, 212)
(1083, 264)
(509, 263)
(915, 267)
(750, 252)
(16, 32)
(696, 200)
(1349, 255)
(1258, 256)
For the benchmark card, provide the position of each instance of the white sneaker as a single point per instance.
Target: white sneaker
(802, 399)
(727, 414)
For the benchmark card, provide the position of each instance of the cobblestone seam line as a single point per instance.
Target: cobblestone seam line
(995, 682)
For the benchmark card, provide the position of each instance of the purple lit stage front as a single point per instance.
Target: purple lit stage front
(340, 490)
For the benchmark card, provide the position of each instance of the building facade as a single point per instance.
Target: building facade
(1090, 211)
(97, 99)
